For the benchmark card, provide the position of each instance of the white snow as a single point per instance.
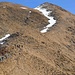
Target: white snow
(44, 30)
(23, 7)
(4, 38)
(30, 12)
(46, 14)
(1, 43)
(4, 6)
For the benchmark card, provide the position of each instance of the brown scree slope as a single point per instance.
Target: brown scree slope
(29, 52)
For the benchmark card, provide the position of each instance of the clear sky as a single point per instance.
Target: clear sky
(66, 4)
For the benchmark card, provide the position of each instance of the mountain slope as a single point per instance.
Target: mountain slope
(27, 51)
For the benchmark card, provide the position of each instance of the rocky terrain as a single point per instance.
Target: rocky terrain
(25, 50)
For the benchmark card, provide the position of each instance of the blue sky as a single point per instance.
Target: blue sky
(66, 4)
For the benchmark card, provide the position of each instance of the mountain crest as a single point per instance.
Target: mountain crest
(38, 41)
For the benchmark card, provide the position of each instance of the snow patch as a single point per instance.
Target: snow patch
(46, 14)
(4, 38)
(4, 6)
(23, 7)
(30, 12)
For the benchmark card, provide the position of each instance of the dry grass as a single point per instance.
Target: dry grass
(27, 51)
